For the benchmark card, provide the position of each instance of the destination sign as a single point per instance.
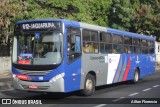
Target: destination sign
(39, 26)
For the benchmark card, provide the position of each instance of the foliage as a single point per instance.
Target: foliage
(121, 14)
(90, 11)
(147, 18)
(8, 10)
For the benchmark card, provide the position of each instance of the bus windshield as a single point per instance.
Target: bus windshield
(37, 48)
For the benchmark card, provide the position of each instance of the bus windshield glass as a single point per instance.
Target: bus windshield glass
(37, 48)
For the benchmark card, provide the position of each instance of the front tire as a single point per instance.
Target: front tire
(89, 85)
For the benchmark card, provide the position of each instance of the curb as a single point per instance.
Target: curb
(4, 79)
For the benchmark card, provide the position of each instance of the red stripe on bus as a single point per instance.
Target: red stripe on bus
(127, 70)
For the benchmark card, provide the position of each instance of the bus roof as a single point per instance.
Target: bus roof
(90, 26)
(125, 33)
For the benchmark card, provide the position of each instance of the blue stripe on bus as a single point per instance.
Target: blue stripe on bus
(119, 67)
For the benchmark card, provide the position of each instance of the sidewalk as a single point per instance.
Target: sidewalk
(5, 80)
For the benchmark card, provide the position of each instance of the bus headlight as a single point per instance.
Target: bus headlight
(15, 78)
(55, 78)
(13, 75)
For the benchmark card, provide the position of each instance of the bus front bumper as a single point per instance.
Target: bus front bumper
(56, 86)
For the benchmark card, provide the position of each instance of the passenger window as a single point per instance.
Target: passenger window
(128, 49)
(151, 47)
(105, 48)
(128, 40)
(143, 43)
(152, 44)
(86, 47)
(90, 41)
(117, 39)
(105, 37)
(137, 50)
(118, 49)
(151, 50)
(90, 47)
(102, 48)
(136, 41)
(94, 36)
(86, 35)
(90, 35)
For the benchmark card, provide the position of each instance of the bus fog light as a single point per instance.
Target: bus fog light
(55, 78)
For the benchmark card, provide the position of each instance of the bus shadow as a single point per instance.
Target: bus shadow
(53, 95)
(75, 94)
(36, 95)
(113, 85)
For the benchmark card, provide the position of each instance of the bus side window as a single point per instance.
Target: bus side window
(114, 50)
(86, 47)
(127, 49)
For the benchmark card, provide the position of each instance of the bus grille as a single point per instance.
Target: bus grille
(42, 73)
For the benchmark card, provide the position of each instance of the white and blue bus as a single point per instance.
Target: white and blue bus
(58, 55)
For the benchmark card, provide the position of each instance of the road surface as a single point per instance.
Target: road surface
(148, 87)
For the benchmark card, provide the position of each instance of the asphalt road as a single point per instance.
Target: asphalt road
(120, 95)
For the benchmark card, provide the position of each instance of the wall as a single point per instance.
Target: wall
(5, 65)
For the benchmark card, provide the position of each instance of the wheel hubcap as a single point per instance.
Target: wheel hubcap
(136, 76)
(89, 85)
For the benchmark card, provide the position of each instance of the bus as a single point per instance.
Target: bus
(59, 55)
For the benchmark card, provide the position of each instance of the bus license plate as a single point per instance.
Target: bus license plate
(33, 86)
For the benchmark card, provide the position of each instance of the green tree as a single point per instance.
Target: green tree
(89, 11)
(147, 18)
(100, 11)
(121, 13)
(8, 10)
(140, 16)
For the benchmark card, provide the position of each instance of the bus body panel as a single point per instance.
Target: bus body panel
(90, 62)
(73, 76)
(72, 70)
(144, 63)
(94, 63)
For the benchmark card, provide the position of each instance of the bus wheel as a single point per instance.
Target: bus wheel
(136, 76)
(89, 86)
